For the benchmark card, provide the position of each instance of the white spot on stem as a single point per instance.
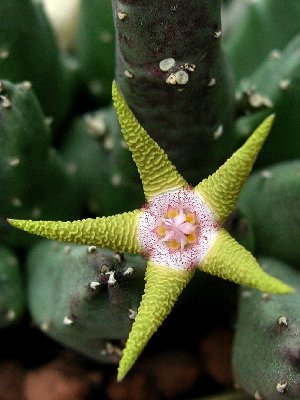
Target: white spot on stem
(116, 179)
(121, 15)
(5, 102)
(257, 100)
(282, 321)
(212, 82)
(129, 271)
(166, 64)
(45, 326)
(132, 314)
(246, 294)
(48, 121)
(275, 54)
(105, 269)
(4, 54)
(108, 143)
(96, 87)
(118, 257)
(14, 162)
(182, 77)
(257, 395)
(112, 280)
(128, 74)
(94, 285)
(189, 67)
(266, 174)
(68, 321)
(16, 202)
(36, 212)
(95, 124)
(284, 84)
(266, 296)
(281, 387)
(91, 249)
(219, 132)
(171, 79)
(11, 315)
(26, 85)
(71, 168)
(67, 249)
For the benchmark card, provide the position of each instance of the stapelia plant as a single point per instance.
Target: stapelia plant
(177, 230)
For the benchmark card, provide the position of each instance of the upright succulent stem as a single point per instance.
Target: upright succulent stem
(172, 72)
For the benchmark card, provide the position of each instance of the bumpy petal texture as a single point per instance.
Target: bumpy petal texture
(221, 189)
(118, 232)
(163, 286)
(229, 260)
(157, 172)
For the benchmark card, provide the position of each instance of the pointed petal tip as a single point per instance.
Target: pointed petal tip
(269, 284)
(268, 121)
(121, 375)
(273, 286)
(284, 288)
(263, 130)
(116, 94)
(271, 117)
(114, 88)
(15, 222)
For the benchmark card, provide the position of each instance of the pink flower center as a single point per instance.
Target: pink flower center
(177, 228)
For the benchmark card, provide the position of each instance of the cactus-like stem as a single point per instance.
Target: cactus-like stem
(266, 347)
(40, 63)
(12, 297)
(95, 46)
(27, 168)
(259, 96)
(83, 296)
(276, 220)
(172, 72)
(261, 25)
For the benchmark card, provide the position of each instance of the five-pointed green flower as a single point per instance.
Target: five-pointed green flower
(178, 230)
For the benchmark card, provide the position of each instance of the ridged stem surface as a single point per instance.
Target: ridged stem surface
(186, 119)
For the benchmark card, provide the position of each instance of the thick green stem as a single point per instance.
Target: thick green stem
(185, 102)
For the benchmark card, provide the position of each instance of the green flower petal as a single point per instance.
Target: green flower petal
(221, 189)
(157, 173)
(118, 232)
(163, 286)
(229, 260)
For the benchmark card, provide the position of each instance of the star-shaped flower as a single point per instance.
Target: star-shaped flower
(178, 230)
